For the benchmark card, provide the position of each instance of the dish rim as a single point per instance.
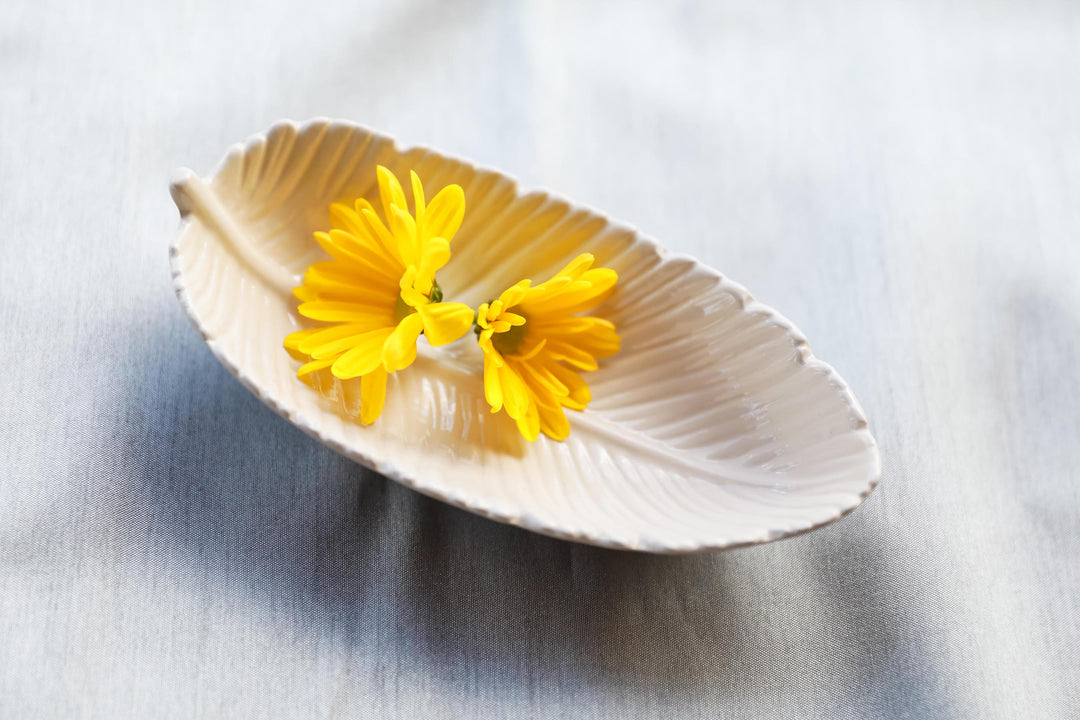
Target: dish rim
(804, 356)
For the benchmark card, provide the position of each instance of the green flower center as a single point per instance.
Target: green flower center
(508, 343)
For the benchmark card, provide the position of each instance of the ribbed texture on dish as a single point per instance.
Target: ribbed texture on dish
(714, 426)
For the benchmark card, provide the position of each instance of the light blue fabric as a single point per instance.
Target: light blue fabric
(900, 179)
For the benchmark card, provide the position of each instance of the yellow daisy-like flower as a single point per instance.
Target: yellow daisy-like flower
(378, 293)
(535, 345)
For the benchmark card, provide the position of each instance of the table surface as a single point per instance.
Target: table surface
(900, 179)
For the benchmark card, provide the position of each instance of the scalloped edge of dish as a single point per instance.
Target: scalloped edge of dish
(804, 356)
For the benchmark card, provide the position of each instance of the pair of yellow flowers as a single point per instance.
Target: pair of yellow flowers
(378, 294)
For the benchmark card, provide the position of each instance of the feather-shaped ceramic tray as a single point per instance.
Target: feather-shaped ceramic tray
(713, 427)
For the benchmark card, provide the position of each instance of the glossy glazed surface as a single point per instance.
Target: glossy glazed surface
(714, 426)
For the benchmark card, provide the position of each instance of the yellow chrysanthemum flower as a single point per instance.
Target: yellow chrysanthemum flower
(535, 345)
(378, 293)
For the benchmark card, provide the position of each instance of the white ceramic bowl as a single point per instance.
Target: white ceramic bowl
(714, 427)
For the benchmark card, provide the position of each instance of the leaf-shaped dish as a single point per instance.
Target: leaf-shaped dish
(714, 427)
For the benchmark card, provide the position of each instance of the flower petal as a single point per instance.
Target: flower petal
(530, 347)
(333, 311)
(390, 192)
(579, 395)
(543, 383)
(403, 227)
(553, 422)
(513, 319)
(399, 351)
(514, 391)
(445, 322)
(600, 340)
(576, 297)
(346, 250)
(492, 389)
(489, 348)
(529, 426)
(418, 197)
(372, 395)
(313, 366)
(577, 266)
(571, 354)
(336, 346)
(343, 217)
(332, 281)
(363, 357)
(595, 336)
(444, 214)
(601, 283)
(317, 338)
(514, 294)
(435, 254)
(346, 247)
(482, 316)
(381, 232)
(305, 293)
(293, 341)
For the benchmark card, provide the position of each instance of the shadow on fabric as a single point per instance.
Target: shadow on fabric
(337, 556)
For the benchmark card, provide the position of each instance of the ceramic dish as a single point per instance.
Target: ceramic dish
(713, 427)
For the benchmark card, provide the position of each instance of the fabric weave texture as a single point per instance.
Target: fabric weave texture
(898, 178)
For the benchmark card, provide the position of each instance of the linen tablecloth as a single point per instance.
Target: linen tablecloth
(901, 179)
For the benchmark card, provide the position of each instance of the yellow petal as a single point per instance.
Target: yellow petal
(595, 336)
(304, 293)
(600, 340)
(530, 347)
(372, 395)
(579, 395)
(445, 322)
(403, 227)
(349, 248)
(577, 266)
(571, 354)
(364, 356)
(362, 205)
(436, 253)
(553, 423)
(492, 389)
(565, 325)
(293, 341)
(390, 192)
(513, 319)
(339, 347)
(489, 349)
(313, 366)
(542, 381)
(399, 351)
(545, 290)
(418, 197)
(482, 315)
(444, 213)
(381, 232)
(515, 393)
(343, 217)
(601, 283)
(414, 298)
(318, 340)
(529, 426)
(333, 311)
(327, 281)
(514, 294)
(577, 293)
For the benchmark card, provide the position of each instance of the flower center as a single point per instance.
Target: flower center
(403, 309)
(508, 343)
